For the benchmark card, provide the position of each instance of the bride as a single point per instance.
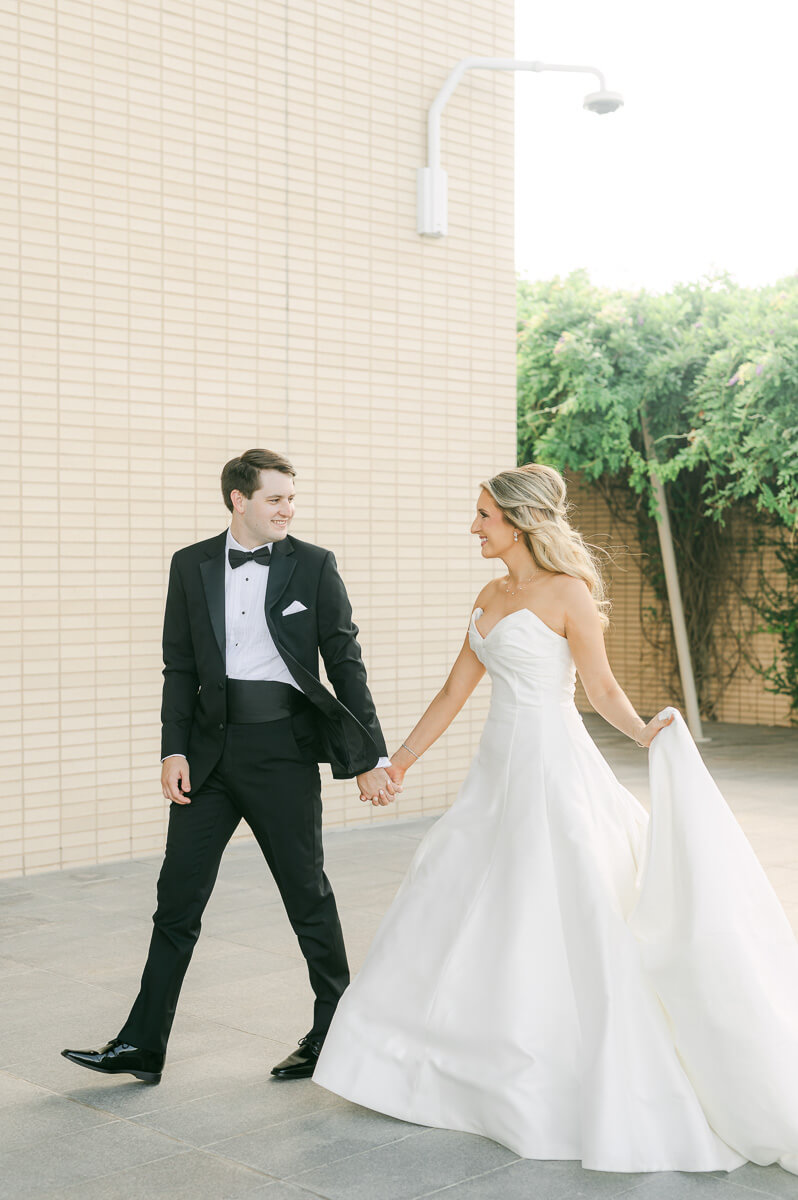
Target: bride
(557, 972)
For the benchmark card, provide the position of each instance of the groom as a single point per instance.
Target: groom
(245, 723)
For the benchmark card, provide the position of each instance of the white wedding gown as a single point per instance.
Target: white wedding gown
(562, 975)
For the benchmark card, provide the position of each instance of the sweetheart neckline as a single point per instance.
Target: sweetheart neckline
(483, 637)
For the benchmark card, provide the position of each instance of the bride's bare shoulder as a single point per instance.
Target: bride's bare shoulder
(569, 587)
(575, 602)
(490, 591)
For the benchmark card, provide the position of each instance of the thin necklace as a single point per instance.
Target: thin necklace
(521, 586)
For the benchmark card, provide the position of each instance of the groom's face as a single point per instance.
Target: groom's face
(269, 511)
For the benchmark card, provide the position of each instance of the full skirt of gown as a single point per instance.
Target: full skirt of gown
(566, 977)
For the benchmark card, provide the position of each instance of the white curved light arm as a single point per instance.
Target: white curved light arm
(484, 64)
(432, 183)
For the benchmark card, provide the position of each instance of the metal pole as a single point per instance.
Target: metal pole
(674, 594)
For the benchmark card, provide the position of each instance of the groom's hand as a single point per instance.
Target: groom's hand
(376, 786)
(175, 781)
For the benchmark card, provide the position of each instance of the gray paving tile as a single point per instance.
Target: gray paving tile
(200, 1035)
(16, 1091)
(83, 939)
(35, 1031)
(419, 1164)
(214, 1118)
(313, 1140)
(14, 923)
(181, 1177)
(64, 1161)
(221, 922)
(280, 1190)
(43, 1117)
(281, 1006)
(11, 966)
(547, 1180)
(679, 1185)
(770, 1181)
(33, 991)
(278, 937)
(241, 965)
(378, 832)
(37, 983)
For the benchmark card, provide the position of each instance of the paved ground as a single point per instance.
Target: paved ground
(71, 949)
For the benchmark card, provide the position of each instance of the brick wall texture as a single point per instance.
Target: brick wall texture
(208, 240)
(647, 674)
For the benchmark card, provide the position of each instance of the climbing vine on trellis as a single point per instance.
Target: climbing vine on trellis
(715, 368)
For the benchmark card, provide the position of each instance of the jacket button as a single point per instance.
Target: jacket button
(221, 724)
(220, 687)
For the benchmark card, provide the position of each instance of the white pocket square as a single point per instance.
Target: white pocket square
(297, 606)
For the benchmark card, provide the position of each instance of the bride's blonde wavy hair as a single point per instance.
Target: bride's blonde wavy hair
(533, 500)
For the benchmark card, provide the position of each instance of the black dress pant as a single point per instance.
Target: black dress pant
(266, 777)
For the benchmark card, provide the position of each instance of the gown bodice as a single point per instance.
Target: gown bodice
(529, 664)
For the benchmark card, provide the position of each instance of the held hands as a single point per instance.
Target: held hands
(397, 773)
(175, 780)
(645, 736)
(378, 785)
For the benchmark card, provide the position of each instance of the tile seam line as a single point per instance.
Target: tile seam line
(755, 1191)
(163, 1158)
(293, 1180)
(61, 1096)
(569, 1195)
(470, 1178)
(358, 1154)
(207, 1147)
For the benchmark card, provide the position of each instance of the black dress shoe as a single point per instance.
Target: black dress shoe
(118, 1058)
(302, 1063)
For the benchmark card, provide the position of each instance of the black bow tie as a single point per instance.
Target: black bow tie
(239, 557)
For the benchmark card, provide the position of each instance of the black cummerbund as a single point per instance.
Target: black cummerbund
(250, 701)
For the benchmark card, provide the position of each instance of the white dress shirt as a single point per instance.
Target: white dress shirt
(250, 652)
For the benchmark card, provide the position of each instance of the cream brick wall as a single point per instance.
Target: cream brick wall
(209, 239)
(644, 673)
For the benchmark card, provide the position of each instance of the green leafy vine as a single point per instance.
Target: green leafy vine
(715, 368)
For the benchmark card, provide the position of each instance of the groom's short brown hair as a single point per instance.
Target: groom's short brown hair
(242, 474)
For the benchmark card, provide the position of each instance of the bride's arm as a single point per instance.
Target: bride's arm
(463, 678)
(586, 640)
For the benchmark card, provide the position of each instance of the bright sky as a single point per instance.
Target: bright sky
(698, 171)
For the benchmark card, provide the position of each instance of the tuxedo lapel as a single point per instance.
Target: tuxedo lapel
(281, 568)
(212, 571)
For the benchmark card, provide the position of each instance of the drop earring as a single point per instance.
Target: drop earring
(515, 535)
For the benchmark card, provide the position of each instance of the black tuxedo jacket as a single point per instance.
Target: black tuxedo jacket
(193, 714)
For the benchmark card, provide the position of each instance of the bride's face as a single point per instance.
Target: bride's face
(494, 533)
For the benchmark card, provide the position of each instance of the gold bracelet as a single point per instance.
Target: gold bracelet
(406, 747)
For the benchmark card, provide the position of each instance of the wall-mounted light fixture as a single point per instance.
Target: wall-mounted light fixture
(432, 181)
